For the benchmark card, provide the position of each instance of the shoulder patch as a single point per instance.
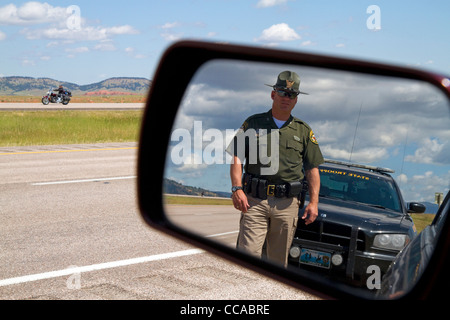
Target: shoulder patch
(312, 137)
(244, 126)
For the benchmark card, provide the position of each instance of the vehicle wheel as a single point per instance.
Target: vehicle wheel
(45, 101)
(65, 102)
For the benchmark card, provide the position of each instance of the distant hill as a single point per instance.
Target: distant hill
(173, 187)
(431, 208)
(27, 86)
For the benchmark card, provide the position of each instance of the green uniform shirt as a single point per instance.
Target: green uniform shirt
(298, 148)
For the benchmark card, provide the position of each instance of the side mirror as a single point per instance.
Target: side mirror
(230, 77)
(415, 207)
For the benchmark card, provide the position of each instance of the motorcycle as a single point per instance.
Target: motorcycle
(53, 97)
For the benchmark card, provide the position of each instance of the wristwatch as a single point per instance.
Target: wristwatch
(234, 189)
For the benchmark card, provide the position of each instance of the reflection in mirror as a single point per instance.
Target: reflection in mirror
(366, 212)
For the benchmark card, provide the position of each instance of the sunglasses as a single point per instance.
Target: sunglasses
(282, 93)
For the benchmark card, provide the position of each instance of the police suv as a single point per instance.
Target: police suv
(363, 224)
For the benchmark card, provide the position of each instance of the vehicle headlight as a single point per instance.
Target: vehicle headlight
(294, 252)
(391, 241)
(337, 259)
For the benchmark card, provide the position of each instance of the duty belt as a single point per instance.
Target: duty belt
(277, 190)
(261, 188)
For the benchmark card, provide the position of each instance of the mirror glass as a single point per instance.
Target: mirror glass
(361, 119)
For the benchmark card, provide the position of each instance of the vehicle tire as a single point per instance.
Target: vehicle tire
(65, 102)
(45, 101)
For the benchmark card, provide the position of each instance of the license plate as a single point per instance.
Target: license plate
(315, 258)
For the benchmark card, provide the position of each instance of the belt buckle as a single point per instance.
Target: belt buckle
(271, 190)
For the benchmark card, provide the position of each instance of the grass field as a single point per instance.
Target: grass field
(25, 128)
(196, 200)
(422, 220)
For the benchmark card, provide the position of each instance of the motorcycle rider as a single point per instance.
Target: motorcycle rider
(61, 91)
(63, 96)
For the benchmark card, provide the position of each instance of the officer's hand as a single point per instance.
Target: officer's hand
(311, 213)
(240, 201)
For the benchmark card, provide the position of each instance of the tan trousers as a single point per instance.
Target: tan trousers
(274, 220)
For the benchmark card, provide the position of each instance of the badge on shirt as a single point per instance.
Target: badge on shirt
(312, 137)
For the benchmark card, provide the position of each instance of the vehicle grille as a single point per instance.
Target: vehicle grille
(330, 233)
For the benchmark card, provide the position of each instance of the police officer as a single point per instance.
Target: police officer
(268, 200)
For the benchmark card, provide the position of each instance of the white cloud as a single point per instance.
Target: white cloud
(125, 29)
(82, 34)
(105, 45)
(308, 43)
(169, 36)
(28, 62)
(402, 178)
(72, 52)
(32, 13)
(431, 152)
(44, 21)
(78, 50)
(52, 44)
(422, 187)
(131, 52)
(269, 3)
(170, 25)
(362, 155)
(278, 33)
(173, 31)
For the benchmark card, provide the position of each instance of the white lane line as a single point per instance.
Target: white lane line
(107, 265)
(81, 181)
(95, 267)
(221, 234)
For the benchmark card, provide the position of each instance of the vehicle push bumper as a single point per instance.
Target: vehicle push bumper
(345, 261)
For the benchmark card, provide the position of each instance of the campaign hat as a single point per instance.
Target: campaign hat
(289, 81)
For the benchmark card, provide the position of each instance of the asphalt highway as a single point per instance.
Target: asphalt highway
(70, 106)
(70, 229)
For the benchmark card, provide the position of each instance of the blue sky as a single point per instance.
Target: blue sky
(126, 38)
(88, 41)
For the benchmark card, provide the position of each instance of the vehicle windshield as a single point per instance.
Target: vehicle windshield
(359, 187)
